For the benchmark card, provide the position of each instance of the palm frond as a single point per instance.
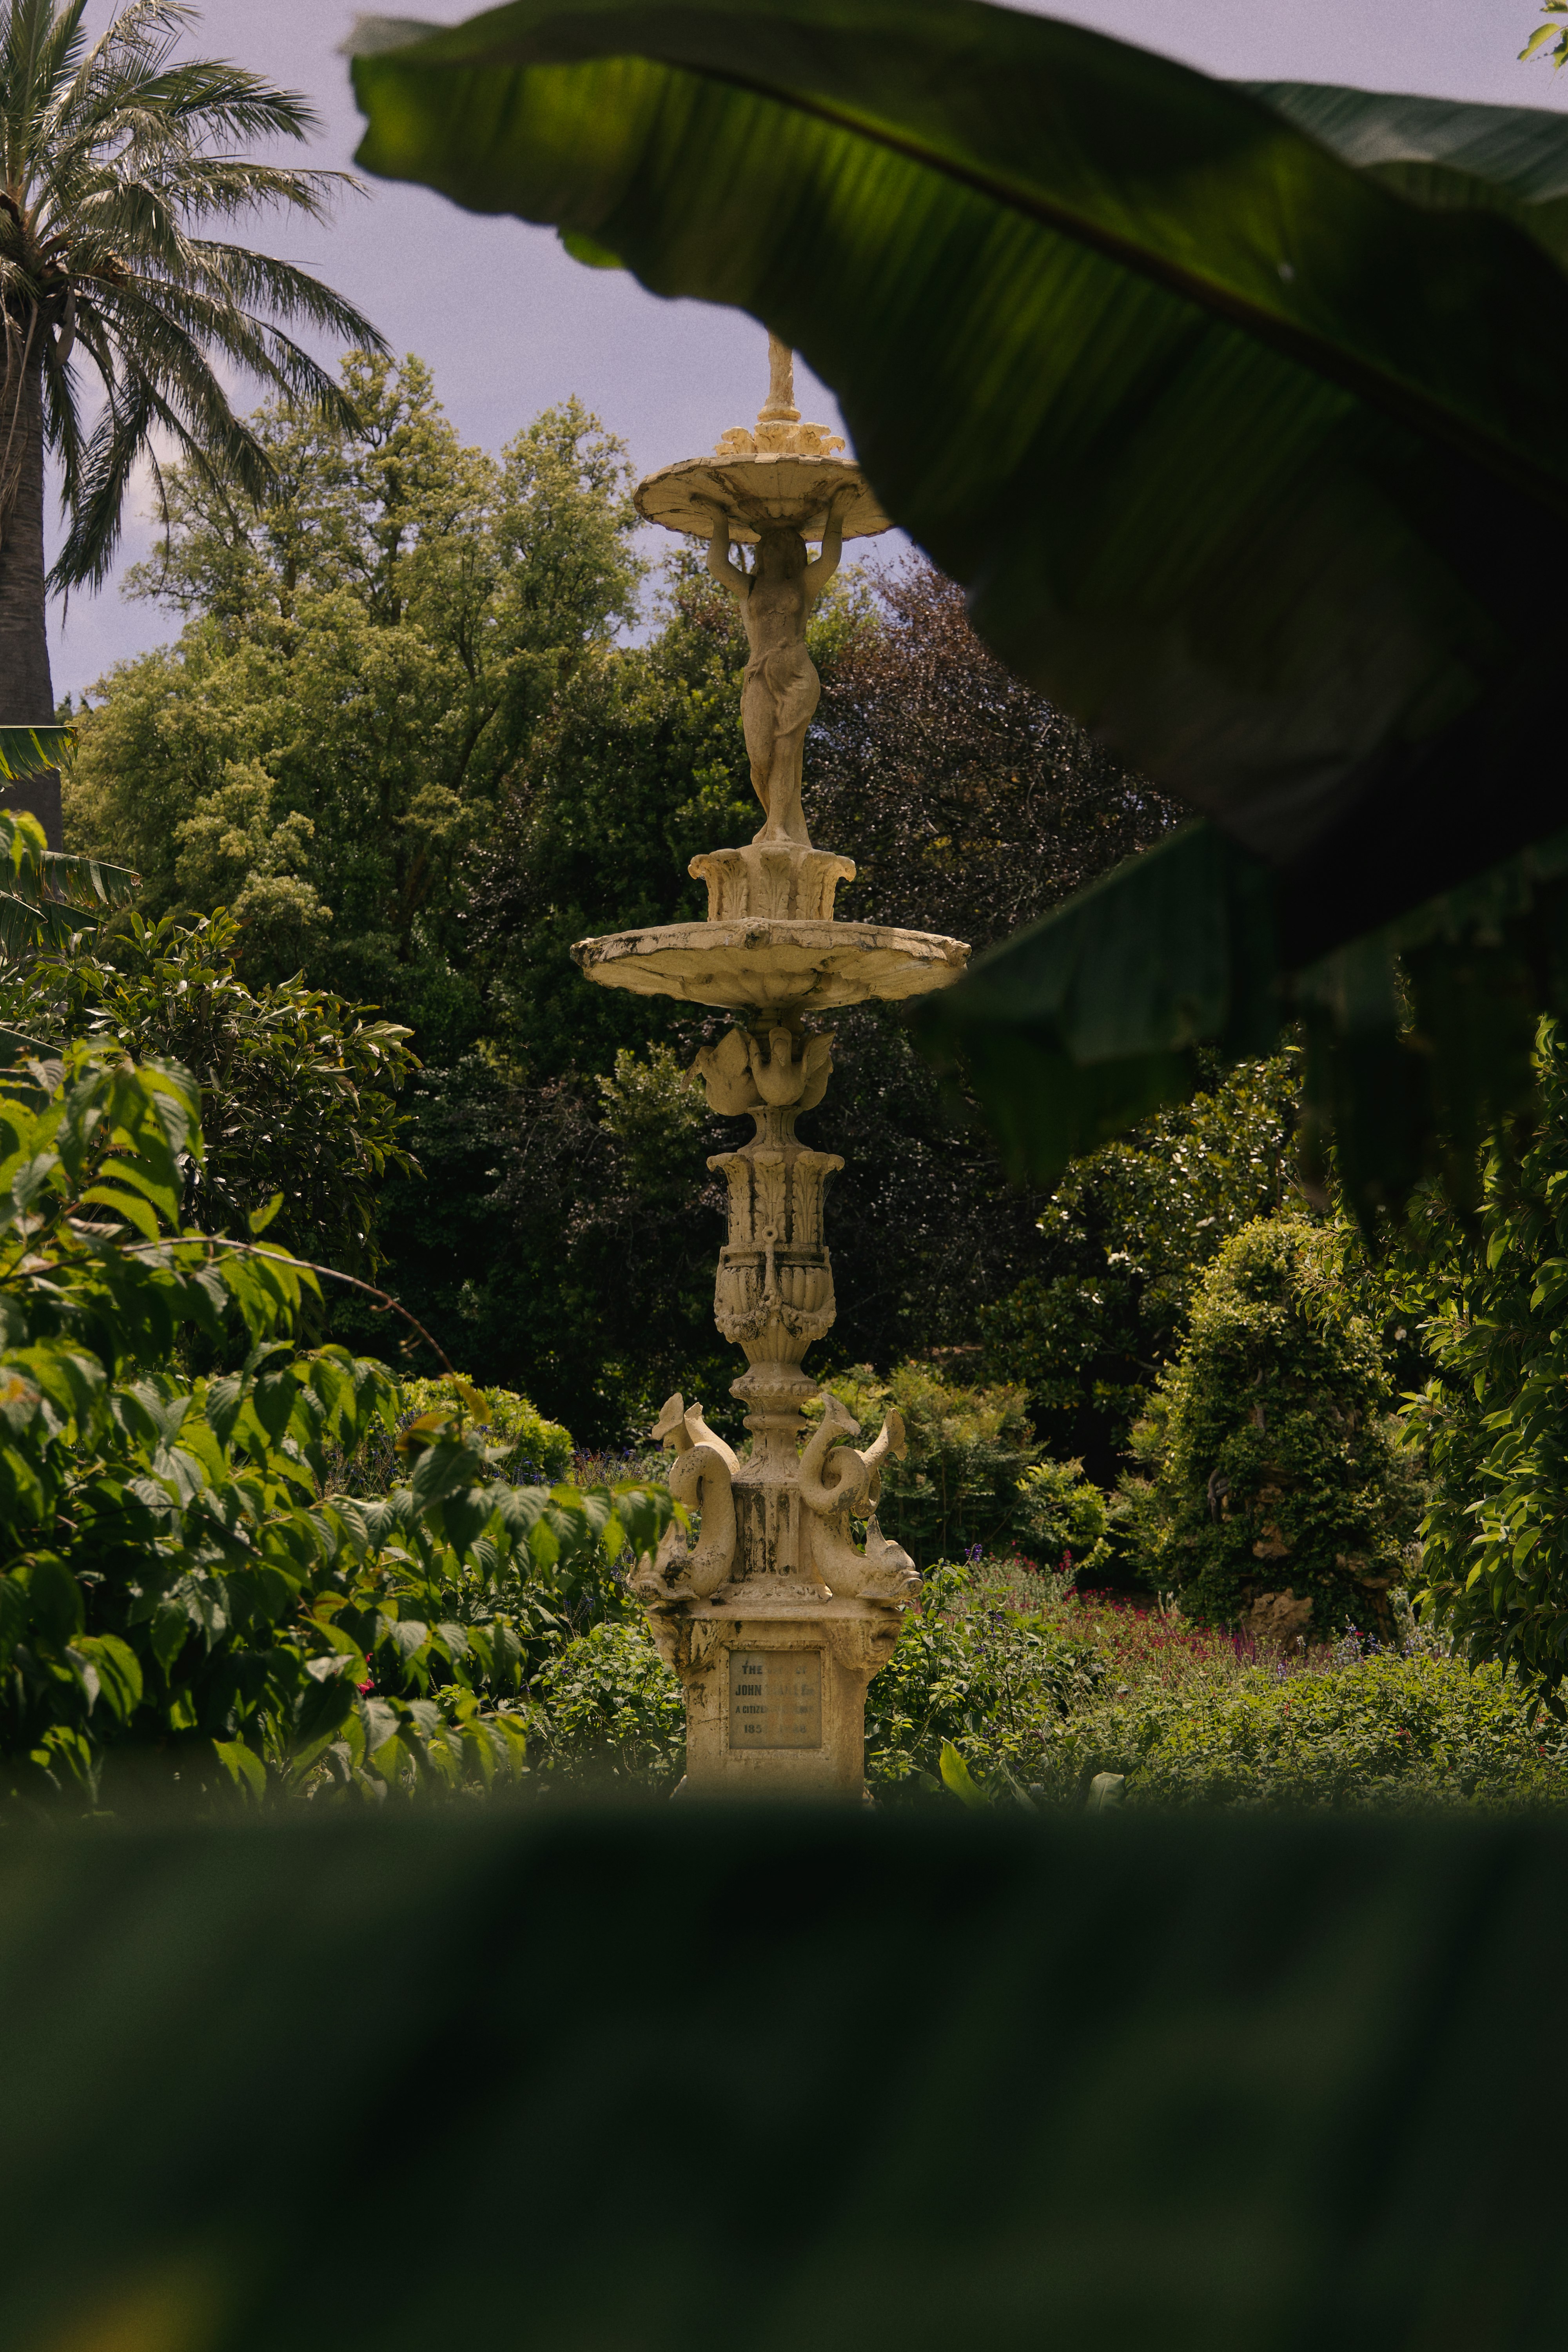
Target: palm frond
(118, 149)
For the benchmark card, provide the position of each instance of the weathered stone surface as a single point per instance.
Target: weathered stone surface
(773, 966)
(773, 1616)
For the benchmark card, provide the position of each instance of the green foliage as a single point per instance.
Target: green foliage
(1387, 1731)
(1128, 1234)
(971, 1675)
(957, 1489)
(298, 1090)
(1205, 366)
(605, 1708)
(371, 646)
(44, 896)
(183, 1589)
(1034, 1694)
(1549, 40)
(1273, 1465)
(1061, 1517)
(1492, 1419)
(122, 160)
(535, 1451)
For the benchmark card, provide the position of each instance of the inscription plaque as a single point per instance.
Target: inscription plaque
(775, 1698)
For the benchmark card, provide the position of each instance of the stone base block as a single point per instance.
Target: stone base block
(775, 1691)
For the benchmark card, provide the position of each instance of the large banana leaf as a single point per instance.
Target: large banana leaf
(27, 751)
(1233, 409)
(44, 893)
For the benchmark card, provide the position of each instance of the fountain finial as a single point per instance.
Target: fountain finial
(779, 408)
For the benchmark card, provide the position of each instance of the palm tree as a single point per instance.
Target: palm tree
(113, 154)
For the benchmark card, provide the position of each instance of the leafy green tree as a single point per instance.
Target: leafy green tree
(183, 1589)
(298, 1090)
(368, 653)
(1208, 375)
(1491, 1419)
(1127, 1236)
(117, 152)
(1273, 1467)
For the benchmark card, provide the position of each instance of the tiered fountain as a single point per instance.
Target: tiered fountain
(775, 1620)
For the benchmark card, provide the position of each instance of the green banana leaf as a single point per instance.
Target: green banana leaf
(1231, 408)
(1440, 153)
(24, 751)
(45, 893)
(1418, 1036)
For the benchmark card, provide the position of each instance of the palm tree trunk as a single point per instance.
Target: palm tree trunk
(26, 694)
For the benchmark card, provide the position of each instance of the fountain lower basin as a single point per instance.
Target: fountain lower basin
(756, 964)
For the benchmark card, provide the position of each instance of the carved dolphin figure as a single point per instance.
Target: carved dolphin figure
(844, 1481)
(839, 1483)
(670, 1427)
(699, 1433)
(890, 1438)
(700, 1475)
(848, 1479)
(883, 1571)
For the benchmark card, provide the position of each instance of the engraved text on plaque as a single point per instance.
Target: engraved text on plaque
(775, 1698)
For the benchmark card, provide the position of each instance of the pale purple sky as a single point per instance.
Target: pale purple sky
(509, 325)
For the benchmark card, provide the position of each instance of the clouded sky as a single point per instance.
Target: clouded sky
(509, 324)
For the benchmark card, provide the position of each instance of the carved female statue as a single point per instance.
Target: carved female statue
(781, 688)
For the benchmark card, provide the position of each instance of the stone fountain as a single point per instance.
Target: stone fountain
(776, 1618)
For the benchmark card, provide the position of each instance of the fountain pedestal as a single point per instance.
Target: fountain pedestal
(776, 1618)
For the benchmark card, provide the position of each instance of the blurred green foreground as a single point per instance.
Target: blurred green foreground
(605, 2082)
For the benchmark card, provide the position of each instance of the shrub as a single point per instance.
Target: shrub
(533, 1450)
(182, 1591)
(607, 1707)
(956, 1491)
(1384, 1730)
(1275, 1471)
(972, 1670)
(1495, 1417)
(1062, 1517)
(1126, 1239)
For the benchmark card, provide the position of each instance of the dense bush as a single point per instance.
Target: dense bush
(973, 1671)
(1385, 1729)
(1127, 1237)
(298, 1090)
(187, 1590)
(957, 1490)
(1494, 1417)
(532, 1450)
(605, 1711)
(1275, 1488)
(1061, 1518)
